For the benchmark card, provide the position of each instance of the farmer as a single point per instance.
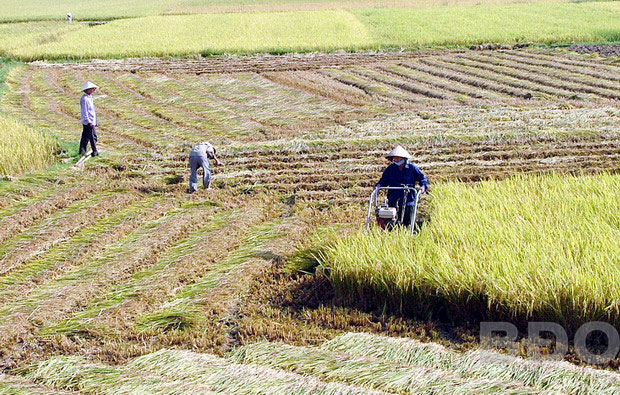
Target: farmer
(199, 157)
(89, 119)
(400, 172)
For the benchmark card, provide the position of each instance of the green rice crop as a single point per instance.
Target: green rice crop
(367, 371)
(22, 148)
(32, 10)
(324, 30)
(215, 33)
(544, 375)
(507, 23)
(17, 35)
(528, 247)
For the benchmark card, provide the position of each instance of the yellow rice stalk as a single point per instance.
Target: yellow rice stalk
(23, 149)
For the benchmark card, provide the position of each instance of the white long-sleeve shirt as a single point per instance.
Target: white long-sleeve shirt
(89, 114)
(203, 149)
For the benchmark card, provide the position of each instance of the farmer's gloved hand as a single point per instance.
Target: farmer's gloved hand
(422, 190)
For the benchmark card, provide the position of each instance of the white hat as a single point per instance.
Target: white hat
(399, 151)
(88, 85)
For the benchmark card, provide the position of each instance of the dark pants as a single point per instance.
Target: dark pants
(89, 134)
(408, 211)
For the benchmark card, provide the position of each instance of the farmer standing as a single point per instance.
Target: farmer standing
(89, 119)
(400, 172)
(199, 158)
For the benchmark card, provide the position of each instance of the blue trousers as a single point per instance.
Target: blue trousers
(196, 162)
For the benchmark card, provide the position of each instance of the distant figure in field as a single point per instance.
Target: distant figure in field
(199, 158)
(89, 119)
(400, 172)
(69, 17)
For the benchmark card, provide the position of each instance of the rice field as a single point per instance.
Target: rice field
(502, 259)
(23, 149)
(113, 279)
(314, 30)
(19, 11)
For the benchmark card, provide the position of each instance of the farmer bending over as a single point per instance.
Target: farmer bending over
(89, 119)
(199, 157)
(400, 172)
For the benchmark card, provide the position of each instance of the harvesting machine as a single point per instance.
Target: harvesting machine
(387, 217)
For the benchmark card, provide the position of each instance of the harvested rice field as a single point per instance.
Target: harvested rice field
(114, 280)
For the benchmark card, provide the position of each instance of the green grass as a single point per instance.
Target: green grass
(529, 247)
(508, 23)
(318, 30)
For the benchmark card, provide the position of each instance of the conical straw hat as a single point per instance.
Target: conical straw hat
(88, 85)
(399, 151)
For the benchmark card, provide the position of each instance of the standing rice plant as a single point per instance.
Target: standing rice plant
(530, 247)
(367, 371)
(543, 375)
(23, 149)
(226, 377)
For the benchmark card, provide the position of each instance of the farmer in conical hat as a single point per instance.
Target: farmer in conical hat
(400, 172)
(199, 158)
(89, 119)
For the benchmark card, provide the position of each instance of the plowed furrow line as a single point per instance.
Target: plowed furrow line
(319, 85)
(475, 83)
(57, 228)
(66, 294)
(530, 80)
(78, 249)
(496, 82)
(418, 89)
(434, 82)
(562, 61)
(576, 82)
